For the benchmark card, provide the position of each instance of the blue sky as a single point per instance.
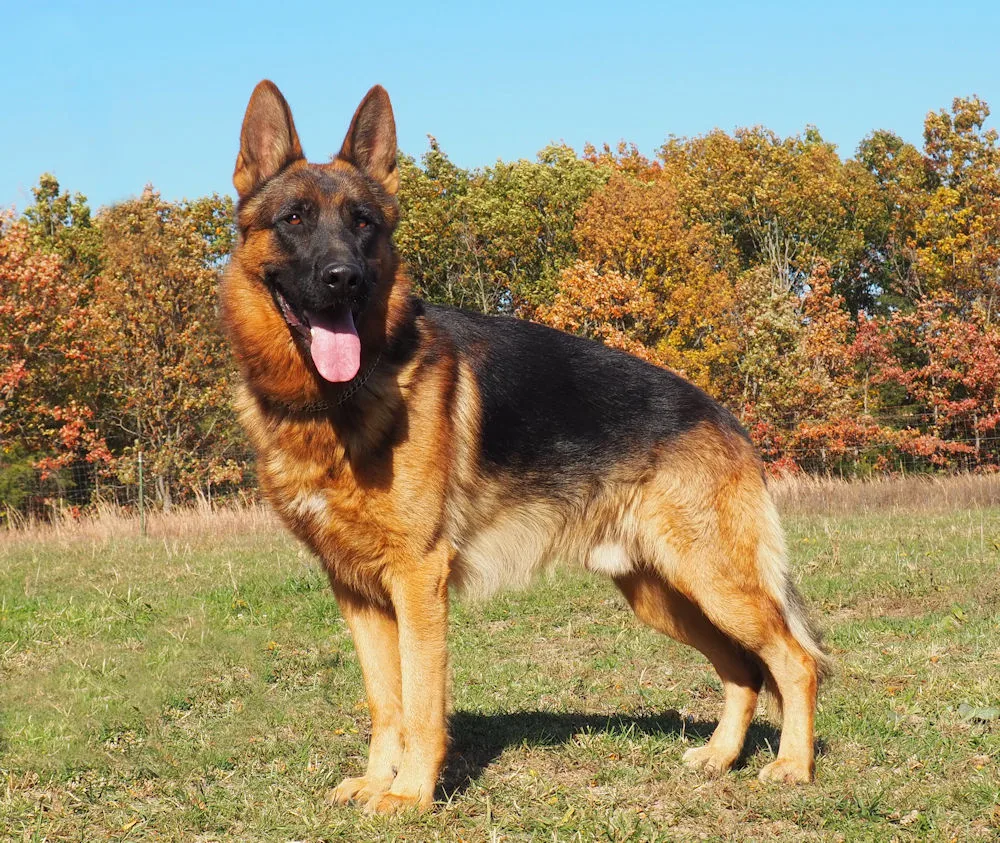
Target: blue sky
(110, 96)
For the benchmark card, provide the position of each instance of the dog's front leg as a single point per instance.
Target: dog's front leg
(376, 639)
(420, 598)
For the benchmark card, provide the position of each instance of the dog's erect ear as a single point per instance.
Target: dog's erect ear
(268, 141)
(370, 144)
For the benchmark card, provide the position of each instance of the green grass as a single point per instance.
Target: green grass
(164, 689)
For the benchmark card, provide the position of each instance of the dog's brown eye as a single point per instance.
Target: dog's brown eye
(362, 222)
(293, 219)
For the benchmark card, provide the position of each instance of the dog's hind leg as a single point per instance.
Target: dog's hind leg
(670, 612)
(754, 620)
(723, 549)
(376, 638)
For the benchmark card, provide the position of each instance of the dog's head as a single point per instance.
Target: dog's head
(317, 237)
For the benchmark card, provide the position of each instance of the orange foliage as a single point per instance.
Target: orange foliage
(45, 358)
(673, 304)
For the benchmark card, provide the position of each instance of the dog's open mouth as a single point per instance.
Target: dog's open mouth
(331, 336)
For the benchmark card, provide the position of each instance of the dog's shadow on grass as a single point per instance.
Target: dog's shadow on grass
(479, 739)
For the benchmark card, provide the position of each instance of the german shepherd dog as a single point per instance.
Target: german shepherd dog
(418, 449)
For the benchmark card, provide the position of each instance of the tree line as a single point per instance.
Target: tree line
(844, 309)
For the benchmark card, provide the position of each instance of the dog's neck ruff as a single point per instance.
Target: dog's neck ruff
(324, 406)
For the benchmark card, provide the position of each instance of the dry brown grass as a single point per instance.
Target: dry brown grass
(111, 522)
(913, 493)
(794, 495)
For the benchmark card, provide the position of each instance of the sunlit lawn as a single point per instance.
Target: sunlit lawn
(206, 689)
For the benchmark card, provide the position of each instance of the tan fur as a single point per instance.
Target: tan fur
(398, 510)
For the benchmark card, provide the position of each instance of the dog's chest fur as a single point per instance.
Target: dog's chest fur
(363, 510)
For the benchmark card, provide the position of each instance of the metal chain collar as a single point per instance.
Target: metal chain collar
(357, 384)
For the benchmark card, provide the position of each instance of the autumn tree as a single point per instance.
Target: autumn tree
(946, 360)
(48, 439)
(636, 228)
(902, 182)
(780, 205)
(61, 223)
(166, 365)
(958, 237)
(525, 213)
(604, 305)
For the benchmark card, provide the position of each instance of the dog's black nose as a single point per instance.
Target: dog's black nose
(341, 278)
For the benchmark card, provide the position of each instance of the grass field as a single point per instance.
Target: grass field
(199, 684)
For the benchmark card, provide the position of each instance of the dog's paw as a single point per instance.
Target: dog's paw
(786, 771)
(709, 760)
(395, 803)
(361, 789)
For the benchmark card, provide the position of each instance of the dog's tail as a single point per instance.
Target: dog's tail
(772, 560)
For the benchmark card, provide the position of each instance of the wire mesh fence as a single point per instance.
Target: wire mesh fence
(29, 494)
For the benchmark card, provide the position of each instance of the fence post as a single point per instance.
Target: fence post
(142, 502)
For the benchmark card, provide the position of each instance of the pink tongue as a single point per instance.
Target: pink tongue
(335, 347)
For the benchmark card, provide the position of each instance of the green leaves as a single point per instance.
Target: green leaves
(493, 239)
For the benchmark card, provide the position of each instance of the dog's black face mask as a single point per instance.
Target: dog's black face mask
(326, 233)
